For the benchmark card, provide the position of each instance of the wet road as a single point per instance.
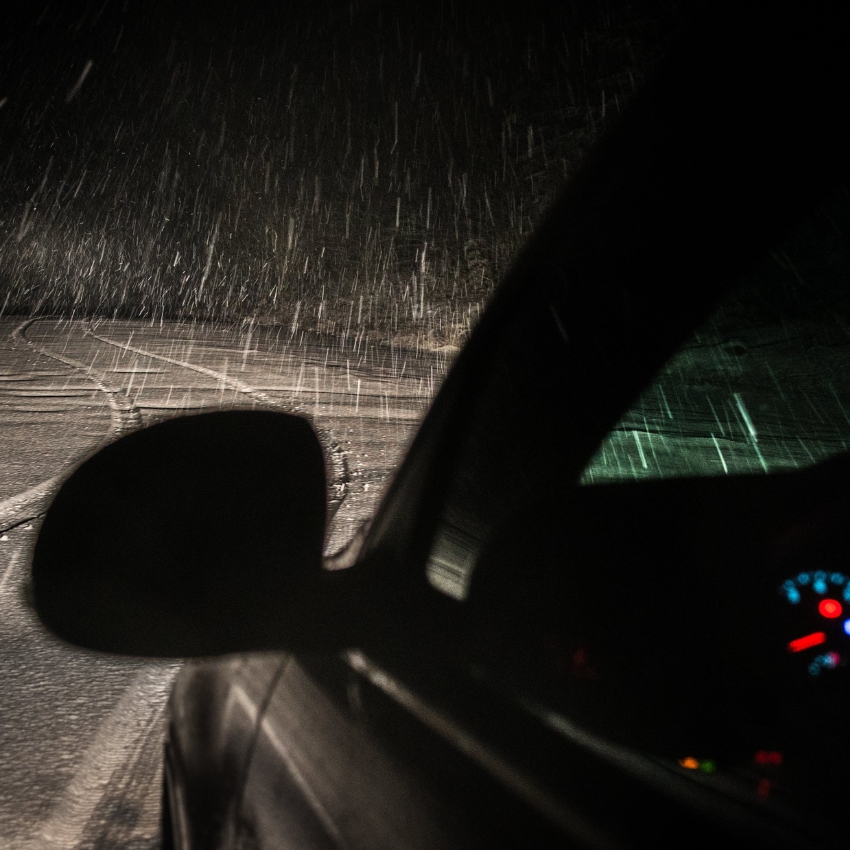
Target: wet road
(81, 733)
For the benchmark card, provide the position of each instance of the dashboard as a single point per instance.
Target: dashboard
(703, 623)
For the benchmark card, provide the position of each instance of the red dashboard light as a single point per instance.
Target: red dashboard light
(829, 608)
(805, 642)
(768, 757)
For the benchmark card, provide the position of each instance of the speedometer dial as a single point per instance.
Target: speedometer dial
(820, 619)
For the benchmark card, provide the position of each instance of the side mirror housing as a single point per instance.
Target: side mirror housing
(192, 537)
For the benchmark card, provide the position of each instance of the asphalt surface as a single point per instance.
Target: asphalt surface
(81, 733)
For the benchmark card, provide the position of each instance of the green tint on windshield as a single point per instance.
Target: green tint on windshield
(764, 385)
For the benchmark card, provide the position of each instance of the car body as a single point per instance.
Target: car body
(523, 662)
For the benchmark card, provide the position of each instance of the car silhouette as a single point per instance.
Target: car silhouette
(525, 648)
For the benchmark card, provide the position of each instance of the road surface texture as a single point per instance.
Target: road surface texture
(80, 733)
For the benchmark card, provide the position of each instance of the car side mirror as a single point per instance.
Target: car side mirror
(192, 537)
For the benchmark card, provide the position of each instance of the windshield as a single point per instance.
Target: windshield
(764, 384)
(761, 386)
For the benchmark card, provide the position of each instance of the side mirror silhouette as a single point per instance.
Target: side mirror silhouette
(191, 537)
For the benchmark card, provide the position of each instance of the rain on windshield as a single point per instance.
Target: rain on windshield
(764, 384)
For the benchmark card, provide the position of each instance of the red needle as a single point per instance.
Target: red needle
(805, 642)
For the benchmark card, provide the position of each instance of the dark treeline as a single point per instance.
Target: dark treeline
(374, 162)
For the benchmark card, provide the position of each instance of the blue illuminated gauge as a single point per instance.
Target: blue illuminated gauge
(820, 614)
